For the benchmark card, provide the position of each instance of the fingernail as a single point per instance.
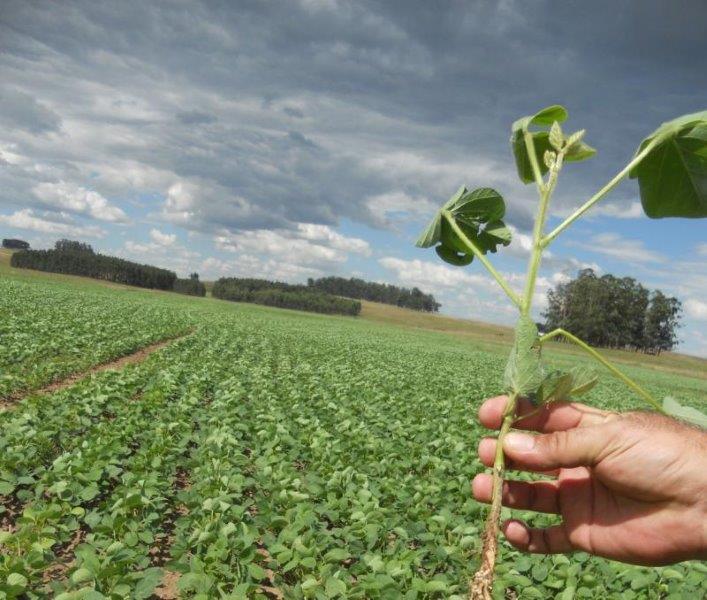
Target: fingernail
(520, 442)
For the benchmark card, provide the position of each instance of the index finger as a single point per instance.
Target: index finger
(556, 416)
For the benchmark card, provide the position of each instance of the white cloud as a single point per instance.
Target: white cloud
(162, 239)
(247, 265)
(615, 246)
(307, 245)
(697, 309)
(398, 203)
(634, 210)
(170, 255)
(702, 249)
(67, 196)
(324, 233)
(429, 276)
(26, 219)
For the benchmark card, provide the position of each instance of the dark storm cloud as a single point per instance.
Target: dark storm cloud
(271, 113)
(20, 110)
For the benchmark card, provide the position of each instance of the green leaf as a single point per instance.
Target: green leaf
(337, 555)
(555, 386)
(583, 380)
(433, 232)
(334, 587)
(494, 234)
(149, 580)
(524, 372)
(6, 488)
(481, 205)
(541, 141)
(81, 575)
(672, 177)
(451, 256)
(686, 413)
(578, 152)
(256, 571)
(17, 580)
(477, 214)
(431, 235)
(556, 138)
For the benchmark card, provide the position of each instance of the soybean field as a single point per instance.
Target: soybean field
(261, 453)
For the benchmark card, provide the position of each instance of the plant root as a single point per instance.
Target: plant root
(481, 585)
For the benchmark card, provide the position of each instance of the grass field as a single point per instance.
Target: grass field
(265, 453)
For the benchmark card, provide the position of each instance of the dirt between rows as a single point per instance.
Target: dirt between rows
(119, 363)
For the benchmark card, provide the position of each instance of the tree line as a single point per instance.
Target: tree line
(613, 312)
(376, 292)
(15, 244)
(283, 295)
(76, 258)
(191, 286)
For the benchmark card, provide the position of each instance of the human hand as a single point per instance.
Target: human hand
(630, 487)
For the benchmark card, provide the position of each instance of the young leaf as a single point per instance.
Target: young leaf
(672, 178)
(541, 141)
(556, 137)
(578, 152)
(687, 413)
(549, 158)
(524, 372)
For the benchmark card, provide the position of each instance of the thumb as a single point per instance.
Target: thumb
(580, 447)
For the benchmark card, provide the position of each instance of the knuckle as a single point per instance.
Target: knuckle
(554, 444)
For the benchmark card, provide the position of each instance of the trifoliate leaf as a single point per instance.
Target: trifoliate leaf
(541, 141)
(477, 215)
(686, 413)
(433, 232)
(672, 178)
(524, 372)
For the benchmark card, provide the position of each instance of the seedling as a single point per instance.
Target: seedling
(671, 168)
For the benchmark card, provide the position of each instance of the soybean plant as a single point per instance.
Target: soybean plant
(671, 168)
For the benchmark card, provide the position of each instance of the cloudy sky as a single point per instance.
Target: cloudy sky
(298, 139)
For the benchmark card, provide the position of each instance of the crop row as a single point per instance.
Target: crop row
(273, 455)
(47, 333)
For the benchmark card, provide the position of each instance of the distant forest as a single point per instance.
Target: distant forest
(376, 292)
(283, 295)
(77, 258)
(614, 312)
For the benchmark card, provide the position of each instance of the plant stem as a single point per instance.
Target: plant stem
(532, 157)
(587, 348)
(480, 586)
(599, 195)
(545, 191)
(484, 261)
